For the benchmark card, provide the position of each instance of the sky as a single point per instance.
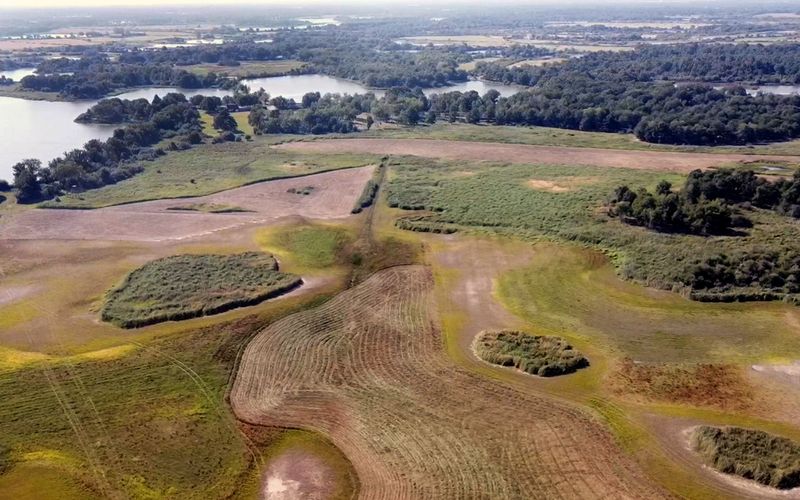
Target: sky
(332, 3)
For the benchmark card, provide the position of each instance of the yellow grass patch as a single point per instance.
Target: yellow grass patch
(563, 185)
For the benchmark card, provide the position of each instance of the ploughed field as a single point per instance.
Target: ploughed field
(367, 370)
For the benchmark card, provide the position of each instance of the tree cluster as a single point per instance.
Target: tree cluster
(667, 211)
(100, 163)
(331, 113)
(708, 203)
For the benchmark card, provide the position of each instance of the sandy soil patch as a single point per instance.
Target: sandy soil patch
(295, 475)
(333, 197)
(561, 185)
(367, 370)
(549, 186)
(523, 153)
(11, 294)
(788, 373)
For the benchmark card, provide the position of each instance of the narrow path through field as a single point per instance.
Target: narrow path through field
(523, 153)
(367, 369)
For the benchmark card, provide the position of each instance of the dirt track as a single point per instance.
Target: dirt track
(333, 197)
(367, 369)
(521, 153)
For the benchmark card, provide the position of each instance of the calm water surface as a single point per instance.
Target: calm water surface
(17, 74)
(45, 130)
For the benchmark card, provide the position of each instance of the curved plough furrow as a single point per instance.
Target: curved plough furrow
(367, 369)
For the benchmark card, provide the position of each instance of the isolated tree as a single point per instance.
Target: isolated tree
(27, 180)
(224, 121)
(370, 121)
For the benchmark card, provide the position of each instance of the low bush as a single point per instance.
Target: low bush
(767, 459)
(367, 197)
(534, 354)
(188, 286)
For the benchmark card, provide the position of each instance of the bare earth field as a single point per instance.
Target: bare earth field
(295, 475)
(520, 153)
(367, 370)
(333, 196)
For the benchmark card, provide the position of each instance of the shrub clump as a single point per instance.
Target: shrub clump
(534, 354)
(770, 460)
(188, 286)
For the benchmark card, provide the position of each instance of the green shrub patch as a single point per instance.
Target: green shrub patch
(188, 286)
(770, 460)
(534, 354)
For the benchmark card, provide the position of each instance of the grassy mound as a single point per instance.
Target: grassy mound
(534, 354)
(187, 286)
(770, 460)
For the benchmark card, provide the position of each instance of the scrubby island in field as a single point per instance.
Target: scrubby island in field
(535, 354)
(187, 286)
(770, 460)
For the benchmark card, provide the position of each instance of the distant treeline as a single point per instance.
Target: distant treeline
(712, 63)
(625, 92)
(100, 163)
(332, 53)
(94, 77)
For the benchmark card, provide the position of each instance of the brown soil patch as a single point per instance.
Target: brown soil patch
(334, 195)
(297, 474)
(714, 385)
(367, 370)
(521, 153)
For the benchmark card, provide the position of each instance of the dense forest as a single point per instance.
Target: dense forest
(712, 63)
(624, 92)
(100, 163)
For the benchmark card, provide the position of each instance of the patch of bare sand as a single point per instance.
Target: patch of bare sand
(11, 294)
(787, 373)
(296, 475)
(549, 186)
(333, 197)
(523, 153)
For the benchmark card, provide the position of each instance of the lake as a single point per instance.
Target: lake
(295, 86)
(41, 129)
(45, 130)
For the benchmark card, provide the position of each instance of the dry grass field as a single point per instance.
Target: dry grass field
(370, 365)
(520, 153)
(161, 220)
